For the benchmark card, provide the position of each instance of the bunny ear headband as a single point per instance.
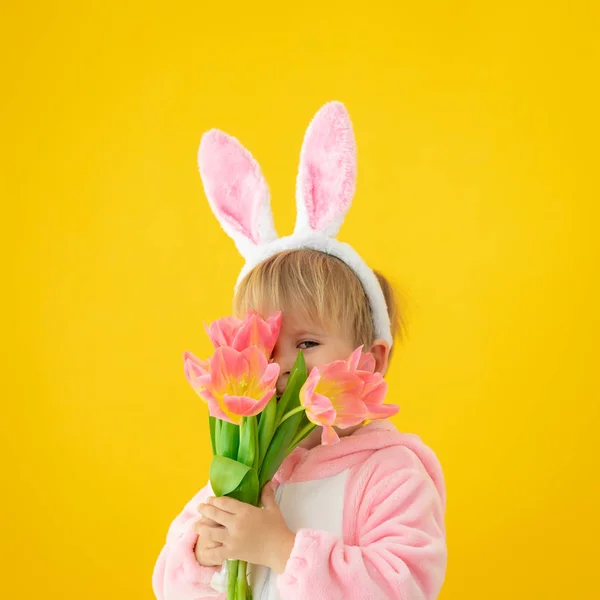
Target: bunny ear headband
(238, 195)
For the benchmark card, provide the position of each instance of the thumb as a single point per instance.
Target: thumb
(268, 496)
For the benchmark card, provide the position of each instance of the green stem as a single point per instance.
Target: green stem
(248, 449)
(301, 435)
(291, 413)
(218, 441)
(212, 425)
(228, 440)
(232, 566)
(242, 582)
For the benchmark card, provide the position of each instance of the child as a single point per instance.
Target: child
(360, 519)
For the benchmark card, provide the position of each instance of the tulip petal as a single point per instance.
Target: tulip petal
(227, 365)
(352, 412)
(382, 411)
(255, 331)
(216, 409)
(354, 359)
(366, 363)
(320, 411)
(334, 370)
(375, 389)
(343, 388)
(187, 355)
(308, 389)
(222, 332)
(373, 396)
(256, 360)
(194, 368)
(245, 406)
(270, 375)
(329, 436)
(274, 322)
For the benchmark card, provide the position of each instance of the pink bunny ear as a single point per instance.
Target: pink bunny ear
(327, 175)
(236, 190)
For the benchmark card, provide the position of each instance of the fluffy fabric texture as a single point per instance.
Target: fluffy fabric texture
(393, 542)
(236, 190)
(177, 574)
(239, 198)
(327, 174)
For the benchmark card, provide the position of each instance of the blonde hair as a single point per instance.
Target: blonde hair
(321, 287)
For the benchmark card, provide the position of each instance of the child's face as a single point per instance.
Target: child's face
(318, 345)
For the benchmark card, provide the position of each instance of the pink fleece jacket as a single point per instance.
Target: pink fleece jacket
(392, 539)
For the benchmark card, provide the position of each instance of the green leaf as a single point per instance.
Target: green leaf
(278, 449)
(303, 432)
(226, 475)
(266, 428)
(290, 399)
(228, 440)
(286, 431)
(247, 491)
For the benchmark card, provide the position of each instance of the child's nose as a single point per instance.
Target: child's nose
(282, 381)
(285, 359)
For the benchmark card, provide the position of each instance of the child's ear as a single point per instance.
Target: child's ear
(380, 350)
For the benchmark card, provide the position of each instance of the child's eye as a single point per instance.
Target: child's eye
(306, 345)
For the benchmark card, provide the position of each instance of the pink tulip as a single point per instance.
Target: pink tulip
(375, 386)
(234, 384)
(331, 397)
(241, 334)
(345, 393)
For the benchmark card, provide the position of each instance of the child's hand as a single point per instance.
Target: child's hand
(256, 535)
(205, 529)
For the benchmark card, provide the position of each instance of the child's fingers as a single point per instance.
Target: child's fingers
(218, 534)
(215, 535)
(206, 524)
(208, 556)
(216, 514)
(268, 496)
(214, 556)
(207, 521)
(230, 505)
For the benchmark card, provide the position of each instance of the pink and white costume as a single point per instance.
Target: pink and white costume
(368, 514)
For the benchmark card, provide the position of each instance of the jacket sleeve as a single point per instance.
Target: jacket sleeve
(399, 548)
(177, 574)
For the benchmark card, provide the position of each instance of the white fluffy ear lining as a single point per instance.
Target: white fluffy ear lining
(327, 174)
(236, 190)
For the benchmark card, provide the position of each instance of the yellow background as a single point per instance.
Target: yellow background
(478, 155)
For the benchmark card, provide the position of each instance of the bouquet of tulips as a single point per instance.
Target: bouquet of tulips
(252, 430)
